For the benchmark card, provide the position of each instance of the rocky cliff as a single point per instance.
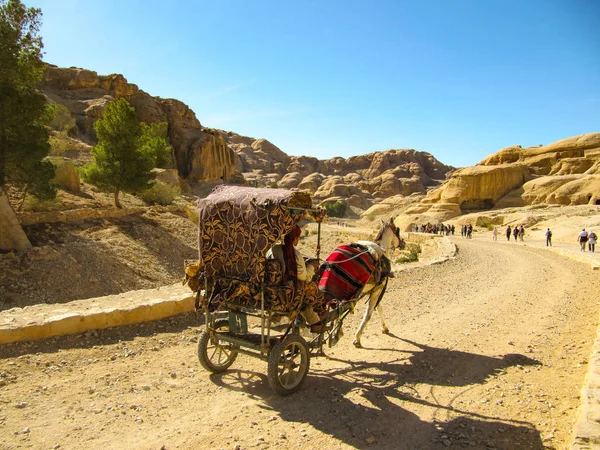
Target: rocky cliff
(200, 153)
(204, 154)
(566, 172)
(359, 181)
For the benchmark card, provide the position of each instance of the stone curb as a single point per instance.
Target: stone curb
(446, 250)
(44, 321)
(586, 431)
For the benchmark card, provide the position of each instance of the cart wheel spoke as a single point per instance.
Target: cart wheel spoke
(214, 354)
(288, 364)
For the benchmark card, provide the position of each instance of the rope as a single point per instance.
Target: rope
(346, 260)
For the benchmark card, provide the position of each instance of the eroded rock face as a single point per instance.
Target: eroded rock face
(201, 154)
(359, 179)
(172, 178)
(566, 172)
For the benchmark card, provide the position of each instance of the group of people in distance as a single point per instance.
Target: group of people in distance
(436, 228)
(589, 238)
(585, 238)
(517, 232)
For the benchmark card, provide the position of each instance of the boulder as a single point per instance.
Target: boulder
(311, 182)
(12, 236)
(290, 180)
(305, 165)
(172, 178)
(66, 175)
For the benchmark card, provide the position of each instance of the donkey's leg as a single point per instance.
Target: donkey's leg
(373, 297)
(384, 328)
(366, 317)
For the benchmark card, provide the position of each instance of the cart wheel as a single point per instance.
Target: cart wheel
(288, 364)
(216, 356)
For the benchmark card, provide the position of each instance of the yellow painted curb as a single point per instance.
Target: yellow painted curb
(44, 321)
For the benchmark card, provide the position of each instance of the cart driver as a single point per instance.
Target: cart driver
(295, 268)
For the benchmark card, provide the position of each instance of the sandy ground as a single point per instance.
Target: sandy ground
(486, 351)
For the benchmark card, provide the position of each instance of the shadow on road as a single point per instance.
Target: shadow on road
(369, 405)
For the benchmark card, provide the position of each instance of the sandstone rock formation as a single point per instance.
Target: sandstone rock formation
(200, 154)
(207, 155)
(172, 178)
(392, 206)
(566, 172)
(66, 175)
(358, 181)
(12, 236)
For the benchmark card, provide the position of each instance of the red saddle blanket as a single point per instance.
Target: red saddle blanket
(345, 273)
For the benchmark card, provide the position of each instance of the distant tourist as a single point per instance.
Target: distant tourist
(515, 232)
(582, 239)
(452, 229)
(548, 238)
(470, 231)
(508, 233)
(521, 233)
(592, 241)
(495, 234)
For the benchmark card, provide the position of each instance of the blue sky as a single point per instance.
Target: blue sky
(457, 78)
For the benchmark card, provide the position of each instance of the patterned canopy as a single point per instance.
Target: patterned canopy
(239, 224)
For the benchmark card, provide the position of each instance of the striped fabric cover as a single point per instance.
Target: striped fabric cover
(343, 275)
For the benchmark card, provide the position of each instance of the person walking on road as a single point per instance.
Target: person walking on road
(515, 232)
(582, 239)
(548, 238)
(592, 241)
(508, 233)
(495, 234)
(521, 233)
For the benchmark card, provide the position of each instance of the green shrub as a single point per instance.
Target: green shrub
(484, 222)
(335, 209)
(410, 253)
(160, 194)
(34, 204)
(61, 118)
(59, 143)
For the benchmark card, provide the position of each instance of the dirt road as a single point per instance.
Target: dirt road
(486, 351)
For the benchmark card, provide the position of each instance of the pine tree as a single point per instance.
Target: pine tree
(126, 152)
(23, 114)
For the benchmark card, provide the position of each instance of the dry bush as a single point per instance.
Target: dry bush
(160, 194)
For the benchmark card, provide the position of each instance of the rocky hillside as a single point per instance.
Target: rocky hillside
(566, 172)
(204, 155)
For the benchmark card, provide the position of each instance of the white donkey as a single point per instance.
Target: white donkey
(388, 237)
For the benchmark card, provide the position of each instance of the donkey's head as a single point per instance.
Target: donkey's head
(389, 235)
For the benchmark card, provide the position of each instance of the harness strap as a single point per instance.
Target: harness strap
(382, 292)
(330, 263)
